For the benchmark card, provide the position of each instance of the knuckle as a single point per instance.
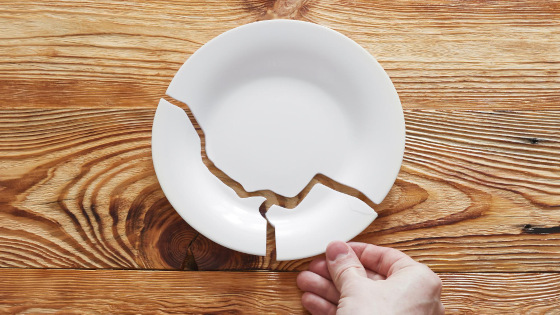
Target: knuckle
(431, 279)
(435, 281)
(344, 271)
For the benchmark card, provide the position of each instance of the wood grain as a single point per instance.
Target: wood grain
(133, 291)
(78, 189)
(478, 191)
(440, 54)
(501, 293)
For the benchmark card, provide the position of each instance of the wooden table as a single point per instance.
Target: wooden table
(85, 226)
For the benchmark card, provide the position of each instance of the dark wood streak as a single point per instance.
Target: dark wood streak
(116, 196)
(140, 206)
(189, 263)
(540, 230)
(94, 197)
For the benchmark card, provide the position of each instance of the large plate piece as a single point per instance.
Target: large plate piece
(279, 101)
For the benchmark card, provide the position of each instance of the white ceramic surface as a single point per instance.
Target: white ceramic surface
(280, 101)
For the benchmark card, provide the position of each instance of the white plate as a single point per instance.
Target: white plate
(279, 101)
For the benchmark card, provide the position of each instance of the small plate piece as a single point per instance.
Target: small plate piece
(324, 215)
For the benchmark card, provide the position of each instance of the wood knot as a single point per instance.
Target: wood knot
(286, 9)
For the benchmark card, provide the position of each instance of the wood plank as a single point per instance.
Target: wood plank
(478, 191)
(133, 291)
(439, 53)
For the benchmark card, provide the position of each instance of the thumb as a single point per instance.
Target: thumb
(343, 264)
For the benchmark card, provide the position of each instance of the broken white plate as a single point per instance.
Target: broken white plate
(280, 101)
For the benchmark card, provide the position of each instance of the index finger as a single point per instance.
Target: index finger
(383, 260)
(319, 266)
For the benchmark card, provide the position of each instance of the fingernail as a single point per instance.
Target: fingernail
(336, 249)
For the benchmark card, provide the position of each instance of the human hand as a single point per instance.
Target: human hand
(358, 278)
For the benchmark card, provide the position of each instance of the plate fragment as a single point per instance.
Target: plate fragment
(207, 204)
(323, 216)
